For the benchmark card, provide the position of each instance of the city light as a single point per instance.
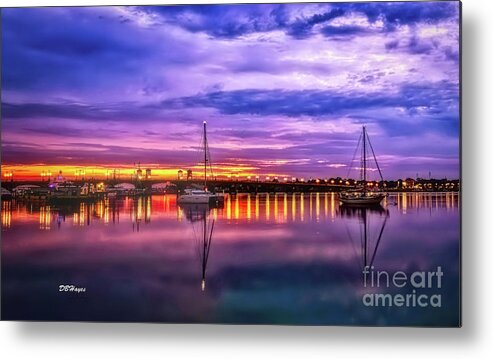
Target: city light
(8, 174)
(133, 174)
(45, 175)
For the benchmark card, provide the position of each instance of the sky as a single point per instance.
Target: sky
(285, 88)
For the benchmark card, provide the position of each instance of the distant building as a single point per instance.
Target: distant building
(59, 178)
(409, 183)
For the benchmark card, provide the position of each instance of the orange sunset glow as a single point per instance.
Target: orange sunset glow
(42, 172)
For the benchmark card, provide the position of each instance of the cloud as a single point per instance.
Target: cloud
(233, 21)
(302, 28)
(318, 102)
(409, 13)
(94, 49)
(221, 21)
(74, 110)
(391, 45)
(338, 31)
(86, 154)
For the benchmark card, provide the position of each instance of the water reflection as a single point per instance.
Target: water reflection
(6, 214)
(277, 208)
(266, 258)
(202, 224)
(369, 234)
(141, 209)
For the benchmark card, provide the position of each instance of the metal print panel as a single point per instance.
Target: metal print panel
(253, 163)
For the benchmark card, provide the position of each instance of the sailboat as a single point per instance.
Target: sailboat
(362, 196)
(201, 196)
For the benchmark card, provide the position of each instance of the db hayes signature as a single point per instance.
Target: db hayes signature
(71, 288)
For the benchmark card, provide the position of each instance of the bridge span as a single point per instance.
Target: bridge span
(230, 186)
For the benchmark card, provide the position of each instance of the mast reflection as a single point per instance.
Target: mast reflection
(203, 227)
(368, 245)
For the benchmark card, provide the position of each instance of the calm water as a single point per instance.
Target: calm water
(261, 259)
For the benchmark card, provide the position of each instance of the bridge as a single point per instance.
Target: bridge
(231, 186)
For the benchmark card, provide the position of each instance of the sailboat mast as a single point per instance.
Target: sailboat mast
(205, 156)
(365, 233)
(204, 251)
(364, 156)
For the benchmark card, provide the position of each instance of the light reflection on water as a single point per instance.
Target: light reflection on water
(277, 208)
(268, 258)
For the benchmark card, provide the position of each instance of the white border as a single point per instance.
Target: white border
(475, 339)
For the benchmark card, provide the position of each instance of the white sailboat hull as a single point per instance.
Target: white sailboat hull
(194, 199)
(362, 200)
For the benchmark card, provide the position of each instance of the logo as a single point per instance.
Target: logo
(400, 289)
